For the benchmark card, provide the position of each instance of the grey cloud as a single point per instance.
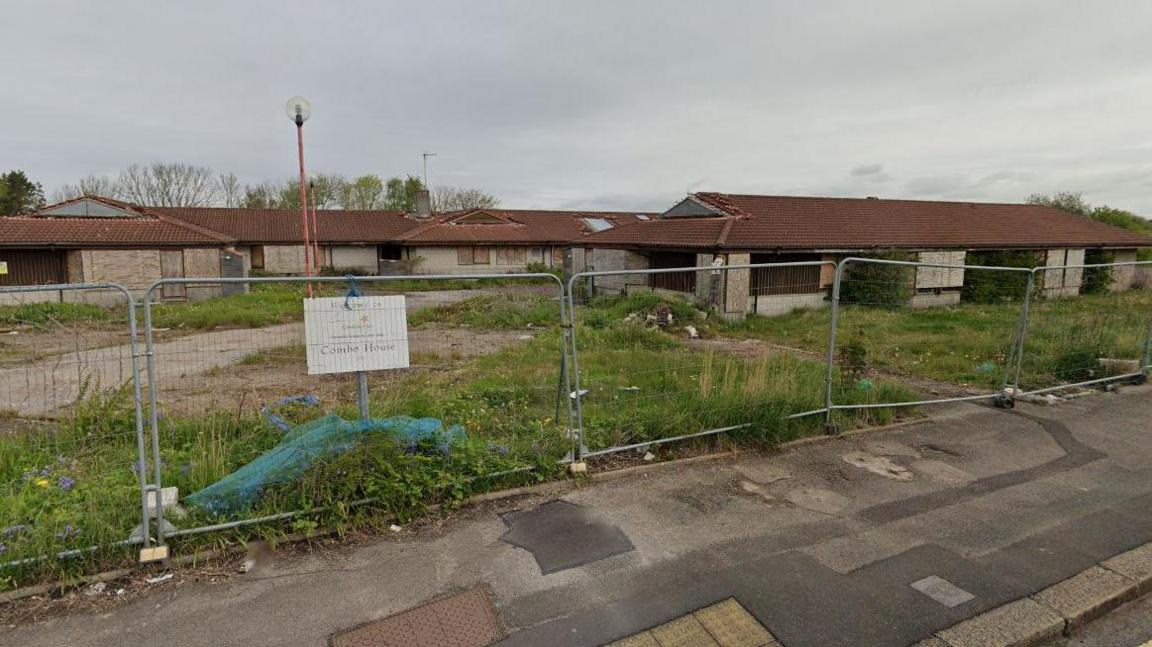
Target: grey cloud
(866, 170)
(618, 105)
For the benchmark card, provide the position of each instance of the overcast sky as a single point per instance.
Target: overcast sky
(598, 104)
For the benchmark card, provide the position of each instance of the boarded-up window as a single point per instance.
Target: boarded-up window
(472, 256)
(257, 257)
(172, 267)
(557, 256)
(511, 256)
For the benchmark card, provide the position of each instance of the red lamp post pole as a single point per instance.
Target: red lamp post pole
(303, 203)
(317, 256)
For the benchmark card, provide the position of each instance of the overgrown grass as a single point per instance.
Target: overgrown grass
(496, 311)
(968, 344)
(643, 384)
(45, 316)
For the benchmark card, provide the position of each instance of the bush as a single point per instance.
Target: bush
(1097, 280)
(989, 286)
(884, 286)
(541, 268)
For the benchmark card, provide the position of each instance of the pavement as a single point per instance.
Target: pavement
(1128, 626)
(883, 538)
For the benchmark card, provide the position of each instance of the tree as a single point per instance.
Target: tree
(19, 195)
(231, 193)
(400, 195)
(162, 184)
(365, 192)
(1063, 200)
(98, 185)
(450, 198)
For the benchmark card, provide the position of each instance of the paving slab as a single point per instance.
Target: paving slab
(1136, 565)
(1018, 624)
(1086, 596)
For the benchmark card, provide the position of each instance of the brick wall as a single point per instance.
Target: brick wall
(617, 259)
(501, 259)
(362, 258)
(284, 259)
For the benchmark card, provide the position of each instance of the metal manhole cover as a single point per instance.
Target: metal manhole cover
(467, 619)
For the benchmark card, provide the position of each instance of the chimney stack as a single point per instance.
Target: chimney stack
(423, 204)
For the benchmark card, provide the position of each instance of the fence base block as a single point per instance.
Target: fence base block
(1004, 403)
(577, 468)
(153, 554)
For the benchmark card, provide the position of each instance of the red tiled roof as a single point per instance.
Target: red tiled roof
(283, 225)
(519, 227)
(101, 232)
(143, 228)
(753, 222)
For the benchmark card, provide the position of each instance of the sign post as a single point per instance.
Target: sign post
(356, 334)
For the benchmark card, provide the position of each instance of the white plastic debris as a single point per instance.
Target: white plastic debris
(119, 591)
(395, 528)
(159, 578)
(248, 565)
(649, 456)
(630, 389)
(692, 332)
(95, 589)
(573, 395)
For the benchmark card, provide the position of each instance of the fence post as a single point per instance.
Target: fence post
(1016, 351)
(1024, 315)
(138, 404)
(577, 464)
(1146, 368)
(161, 551)
(830, 377)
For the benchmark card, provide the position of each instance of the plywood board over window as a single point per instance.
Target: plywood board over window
(472, 256)
(172, 267)
(511, 255)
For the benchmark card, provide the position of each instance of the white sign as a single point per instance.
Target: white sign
(345, 334)
(3, 267)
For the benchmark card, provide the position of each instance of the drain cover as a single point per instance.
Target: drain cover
(562, 535)
(464, 620)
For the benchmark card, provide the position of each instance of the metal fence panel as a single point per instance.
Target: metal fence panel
(668, 354)
(72, 443)
(1088, 324)
(228, 382)
(922, 333)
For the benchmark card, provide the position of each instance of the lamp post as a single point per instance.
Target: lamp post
(317, 256)
(298, 110)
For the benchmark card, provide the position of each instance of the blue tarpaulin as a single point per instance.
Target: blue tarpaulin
(307, 443)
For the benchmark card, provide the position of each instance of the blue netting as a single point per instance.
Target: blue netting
(305, 444)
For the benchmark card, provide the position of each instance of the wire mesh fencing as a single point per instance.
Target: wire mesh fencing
(908, 333)
(72, 439)
(668, 354)
(1087, 324)
(255, 414)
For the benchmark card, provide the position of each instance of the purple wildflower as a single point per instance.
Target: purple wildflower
(445, 448)
(46, 470)
(67, 533)
(27, 475)
(498, 449)
(15, 530)
(65, 483)
(60, 460)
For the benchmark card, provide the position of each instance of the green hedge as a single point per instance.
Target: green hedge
(989, 286)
